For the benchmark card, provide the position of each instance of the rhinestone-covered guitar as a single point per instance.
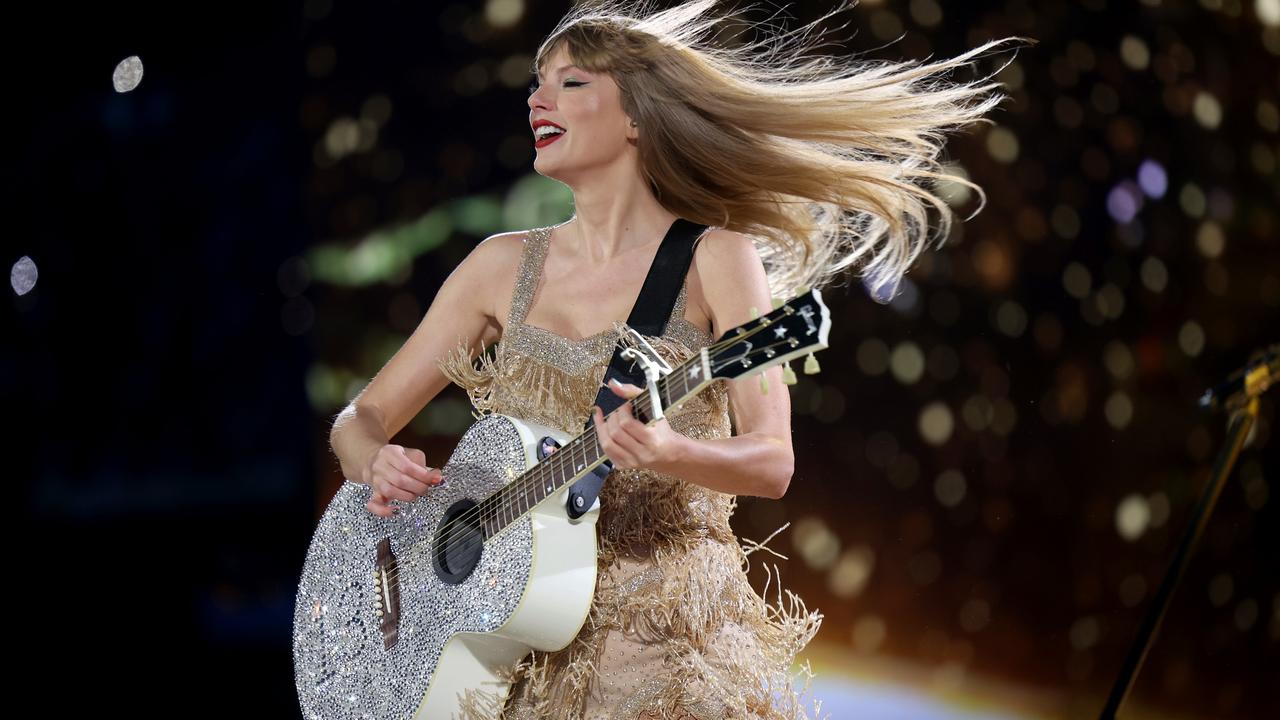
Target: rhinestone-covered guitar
(396, 617)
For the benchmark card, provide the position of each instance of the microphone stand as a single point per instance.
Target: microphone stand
(1240, 396)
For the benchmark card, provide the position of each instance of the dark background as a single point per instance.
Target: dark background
(227, 253)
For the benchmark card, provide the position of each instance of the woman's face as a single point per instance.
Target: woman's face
(587, 106)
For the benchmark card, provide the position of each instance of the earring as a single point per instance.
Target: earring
(633, 123)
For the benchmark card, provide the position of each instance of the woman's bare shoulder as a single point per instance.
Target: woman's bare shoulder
(496, 252)
(490, 272)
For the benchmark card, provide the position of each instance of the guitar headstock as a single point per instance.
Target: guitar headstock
(797, 326)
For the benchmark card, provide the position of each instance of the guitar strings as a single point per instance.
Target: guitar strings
(477, 514)
(473, 538)
(521, 483)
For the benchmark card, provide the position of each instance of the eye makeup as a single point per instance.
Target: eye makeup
(533, 86)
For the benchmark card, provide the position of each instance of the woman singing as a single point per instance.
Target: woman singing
(796, 171)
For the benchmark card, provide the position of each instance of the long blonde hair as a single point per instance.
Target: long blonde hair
(822, 169)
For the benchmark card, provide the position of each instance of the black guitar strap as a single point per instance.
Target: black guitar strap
(649, 317)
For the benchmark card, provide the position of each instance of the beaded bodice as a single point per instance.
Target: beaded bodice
(569, 354)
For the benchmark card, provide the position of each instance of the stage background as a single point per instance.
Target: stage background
(992, 470)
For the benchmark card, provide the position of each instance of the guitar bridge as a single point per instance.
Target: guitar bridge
(386, 590)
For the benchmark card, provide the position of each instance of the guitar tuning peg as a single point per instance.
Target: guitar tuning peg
(755, 314)
(788, 375)
(777, 302)
(811, 365)
(764, 384)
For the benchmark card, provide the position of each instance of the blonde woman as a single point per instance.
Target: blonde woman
(798, 171)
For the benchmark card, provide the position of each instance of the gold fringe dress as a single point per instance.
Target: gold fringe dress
(674, 631)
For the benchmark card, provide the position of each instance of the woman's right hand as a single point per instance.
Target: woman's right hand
(398, 473)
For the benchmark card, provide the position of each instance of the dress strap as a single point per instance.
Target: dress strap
(532, 256)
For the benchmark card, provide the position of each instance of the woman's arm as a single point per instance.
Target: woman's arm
(758, 460)
(463, 309)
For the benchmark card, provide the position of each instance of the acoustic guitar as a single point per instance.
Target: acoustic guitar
(396, 617)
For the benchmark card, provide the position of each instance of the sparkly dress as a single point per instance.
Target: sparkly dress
(675, 630)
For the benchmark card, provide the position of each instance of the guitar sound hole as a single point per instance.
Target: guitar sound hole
(459, 541)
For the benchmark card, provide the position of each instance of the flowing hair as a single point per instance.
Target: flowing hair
(823, 167)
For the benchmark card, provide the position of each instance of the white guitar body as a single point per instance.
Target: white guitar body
(553, 609)
(530, 589)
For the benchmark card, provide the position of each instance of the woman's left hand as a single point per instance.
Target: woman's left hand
(630, 443)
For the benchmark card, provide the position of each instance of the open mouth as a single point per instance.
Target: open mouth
(549, 139)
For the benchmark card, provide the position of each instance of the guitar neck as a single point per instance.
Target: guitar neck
(798, 326)
(583, 453)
